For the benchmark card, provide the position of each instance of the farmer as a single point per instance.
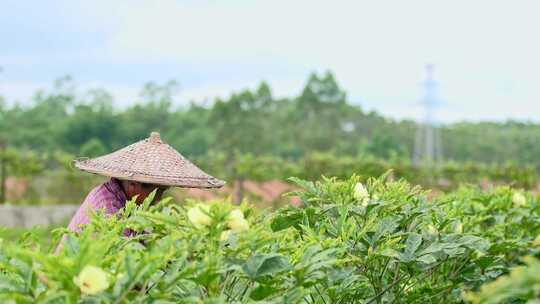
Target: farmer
(136, 171)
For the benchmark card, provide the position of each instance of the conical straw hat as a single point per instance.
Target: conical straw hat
(150, 161)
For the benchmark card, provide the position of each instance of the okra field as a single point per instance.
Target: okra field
(269, 152)
(380, 241)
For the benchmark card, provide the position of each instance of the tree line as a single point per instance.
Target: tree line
(255, 122)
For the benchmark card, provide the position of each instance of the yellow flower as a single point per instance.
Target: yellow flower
(479, 254)
(235, 215)
(431, 229)
(361, 194)
(91, 280)
(239, 225)
(519, 199)
(120, 276)
(198, 215)
(236, 221)
(225, 235)
(458, 227)
(536, 241)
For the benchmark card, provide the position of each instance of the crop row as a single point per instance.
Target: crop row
(378, 242)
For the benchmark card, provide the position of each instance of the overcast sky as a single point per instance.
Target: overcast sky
(486, 52)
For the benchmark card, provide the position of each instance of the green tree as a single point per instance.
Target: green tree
(90, 120)
(319, 114)
(151, 113)
(92, 148)
(241, 122)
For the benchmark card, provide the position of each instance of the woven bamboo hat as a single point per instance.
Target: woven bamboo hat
(150, 161)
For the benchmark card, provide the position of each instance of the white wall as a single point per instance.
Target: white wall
(28, 216)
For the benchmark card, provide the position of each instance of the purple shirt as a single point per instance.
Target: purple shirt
(108, 196)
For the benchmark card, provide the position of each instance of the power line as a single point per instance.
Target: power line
(427, 146)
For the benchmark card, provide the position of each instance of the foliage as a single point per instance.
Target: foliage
(405, 248)
(64, 184)
(382, 242)
(175, 262)
(39, 234)
(446, 177)
(252, 134)
(517, 287)
(320, 119)
(21, 164)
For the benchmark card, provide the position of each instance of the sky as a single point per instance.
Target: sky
(486, 53)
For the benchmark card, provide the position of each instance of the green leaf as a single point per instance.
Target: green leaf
(413, 242)
(474, 242)
(428, 259)
(262, 291)
(389, 252)
(72, 245)
(265, 264)
(284, 221)
(386, 225)
(432, 248)
(452, 252)
(7, 284)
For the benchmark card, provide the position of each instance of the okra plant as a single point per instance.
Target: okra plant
(348, 242)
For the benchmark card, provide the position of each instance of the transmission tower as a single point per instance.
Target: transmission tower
(427, 145)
